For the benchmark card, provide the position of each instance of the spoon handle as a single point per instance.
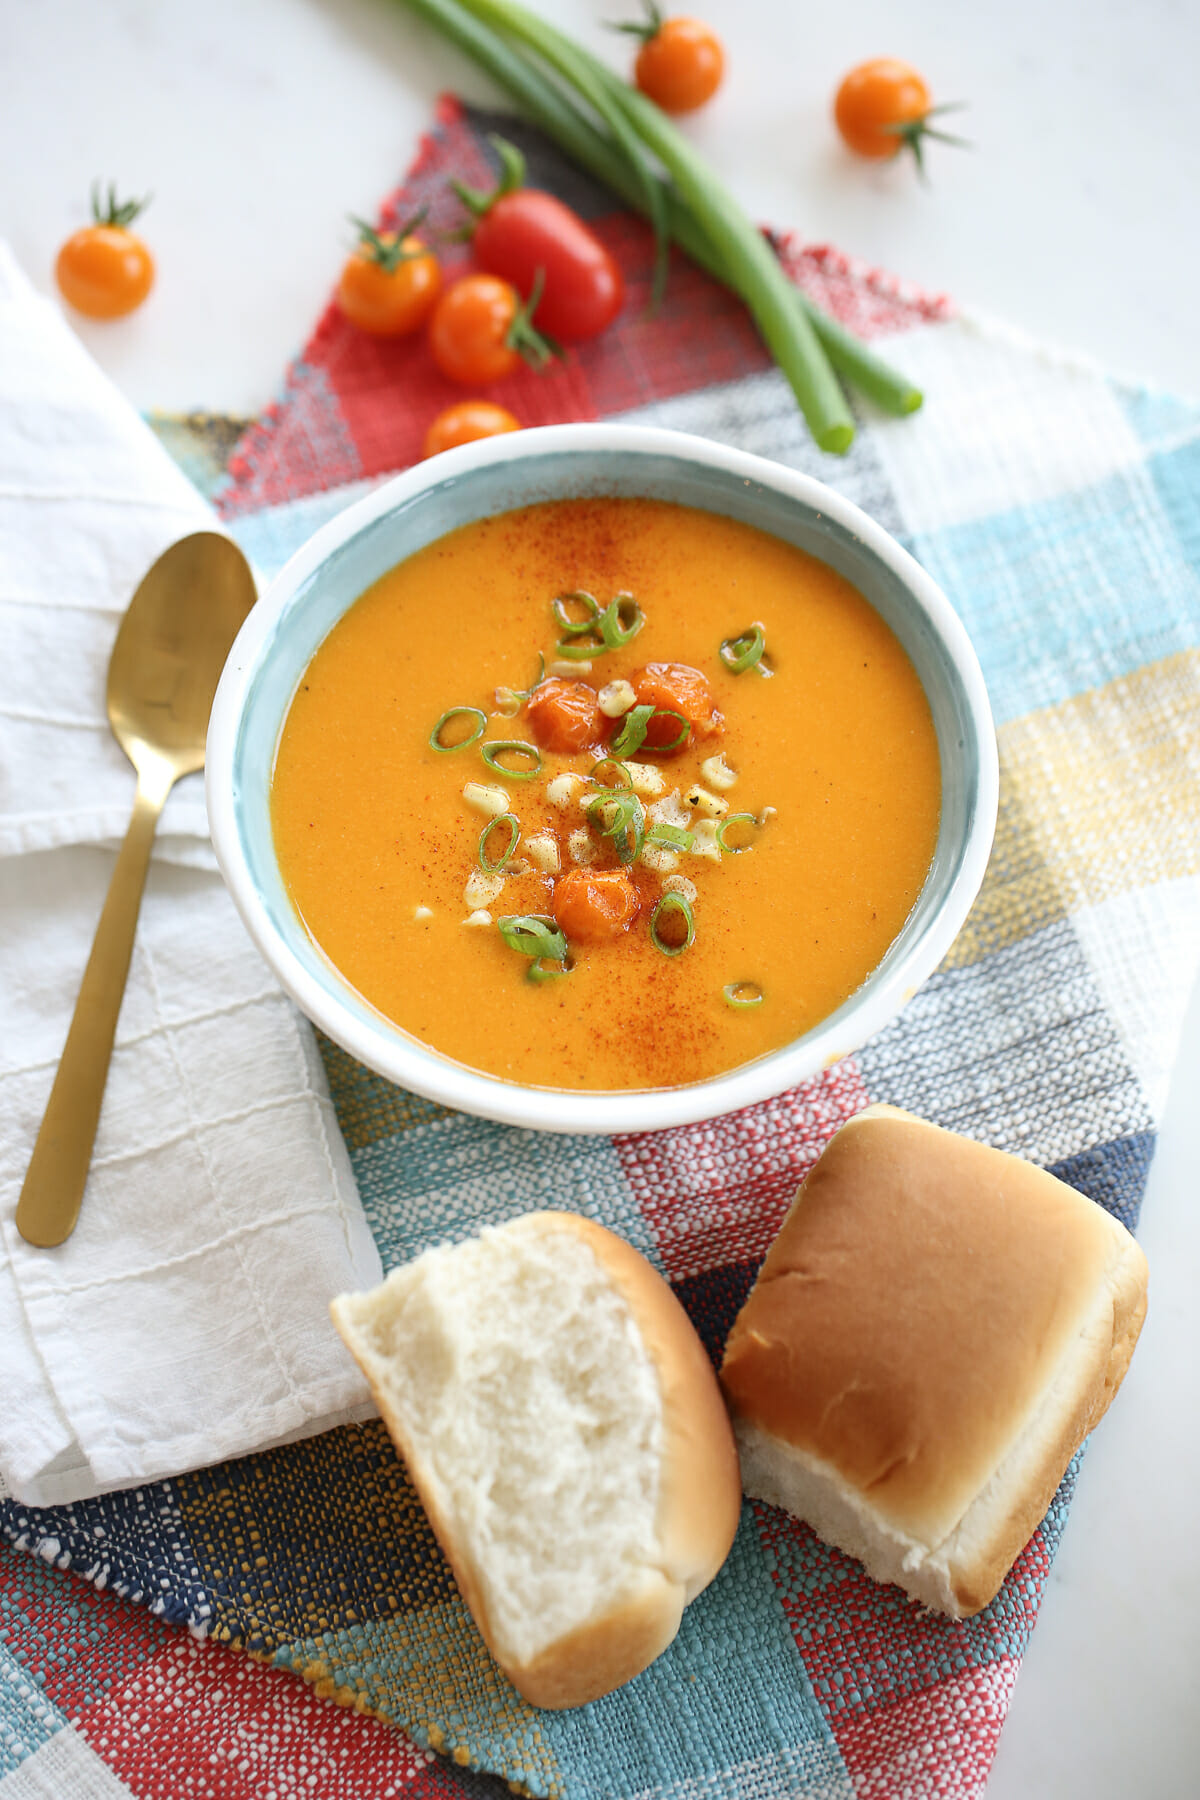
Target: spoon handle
(58, 1169)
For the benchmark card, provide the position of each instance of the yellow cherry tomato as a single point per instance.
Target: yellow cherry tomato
(884, 106)
(391, 283)
(680, 64)
(465, 423)
(105, 270)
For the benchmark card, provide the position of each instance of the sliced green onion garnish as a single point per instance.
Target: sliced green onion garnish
(618, 814)
(685, 726)
(493, 865)
(538, 971)
(745, 651)
(670, 903)
(620, 622)
(533, 934)
(524, 693)
(735, 819)
(609, 766)
(498, 747)
(743, 993)
(580, 649)
(571, 626)
(458, 712)
(600, 629)
(674, 837)
(632, 734)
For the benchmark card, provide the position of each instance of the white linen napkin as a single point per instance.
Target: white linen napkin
(186, 1319)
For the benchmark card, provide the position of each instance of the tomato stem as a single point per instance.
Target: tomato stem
(113, 211)
(480, 201)
(389, 249)
(537, 347)
(644, 29)
(913, 132)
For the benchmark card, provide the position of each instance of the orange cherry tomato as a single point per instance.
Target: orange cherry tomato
(105, 270)
(680, 64)
(593, 907)
(883, 107)
(472, 330)
(465, 422)
(564, 715)
(676, 687)
(391, 283)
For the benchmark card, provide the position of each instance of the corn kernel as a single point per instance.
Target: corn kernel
(616, 698)
(482, 888)
(581, 846)
(645, 779)
(670, 811)
(704, 839)
(563, 788)
(542, 849)
(486, 799)
(717, 773)
(704, 805)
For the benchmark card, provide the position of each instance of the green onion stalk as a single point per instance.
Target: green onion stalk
(740, 246)
(548, 107)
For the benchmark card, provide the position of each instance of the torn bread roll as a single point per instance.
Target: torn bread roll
(564, 1429)
(934, 1332)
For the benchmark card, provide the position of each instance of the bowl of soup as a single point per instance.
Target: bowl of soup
(602, 778)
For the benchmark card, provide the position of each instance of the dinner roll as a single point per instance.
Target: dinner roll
(564, 1429)
(935, 1330)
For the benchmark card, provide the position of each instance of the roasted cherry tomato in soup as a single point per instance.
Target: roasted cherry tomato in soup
(105, 270)
(883, 107)
(564, 715)
(480, 331)
(465, 423)
(591, 906)
(680, 63)
(676, 688)
(533, 240)
(391, 283)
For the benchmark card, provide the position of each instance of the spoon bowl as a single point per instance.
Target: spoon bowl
(171, 647)
(167, 659)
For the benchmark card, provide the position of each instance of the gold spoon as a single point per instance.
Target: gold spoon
(163, 673)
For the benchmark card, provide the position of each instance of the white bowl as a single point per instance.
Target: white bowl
(328, 574)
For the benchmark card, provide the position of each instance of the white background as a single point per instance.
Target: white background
(259, 124)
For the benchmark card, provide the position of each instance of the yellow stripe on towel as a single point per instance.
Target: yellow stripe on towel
(1098, 796)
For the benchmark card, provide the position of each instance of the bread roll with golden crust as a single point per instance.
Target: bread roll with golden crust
(564, 1429)
(933, 1333)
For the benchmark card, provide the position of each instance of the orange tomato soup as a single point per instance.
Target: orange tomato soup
(835, 759)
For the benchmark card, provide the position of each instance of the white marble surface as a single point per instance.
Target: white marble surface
(259, 124)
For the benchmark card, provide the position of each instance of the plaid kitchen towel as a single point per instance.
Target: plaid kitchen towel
(1059, 511)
